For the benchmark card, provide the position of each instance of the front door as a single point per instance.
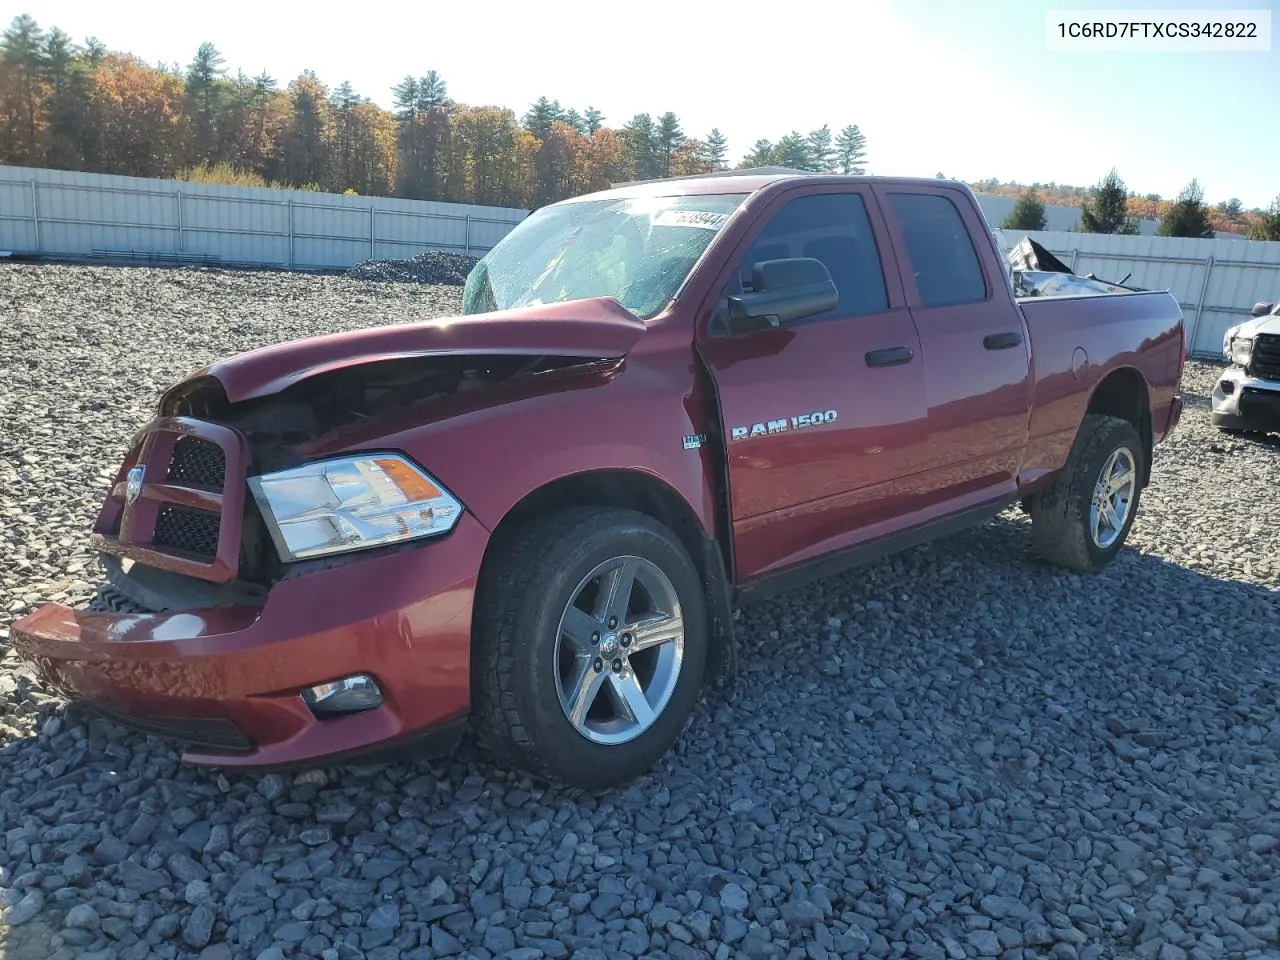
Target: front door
(824, 419)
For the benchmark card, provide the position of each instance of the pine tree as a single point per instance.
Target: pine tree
(851, 150)
(1027, 214)
(409, 176)
(346, 132)
(94, 51)
(433, 92)
(821, 150)
(1267, 226)
(574, 119)
(670, 138)
(203, 99)
(793, 151)
(1189, 216)
(1109, 212)
(760, 155)
(307, 136)
(640, 148)
(541, 116)
(22, 56)
(592, 120)
(717, 149)
(67, 108)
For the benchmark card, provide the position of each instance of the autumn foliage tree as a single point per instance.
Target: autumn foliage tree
(1267, 226)
(82, 107)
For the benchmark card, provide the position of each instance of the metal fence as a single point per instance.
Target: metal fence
(72, 214)
(1217, 282)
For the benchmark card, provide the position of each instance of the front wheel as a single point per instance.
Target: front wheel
(590, 645)
(1082, 521)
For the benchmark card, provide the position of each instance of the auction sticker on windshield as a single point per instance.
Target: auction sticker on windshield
(705, 219)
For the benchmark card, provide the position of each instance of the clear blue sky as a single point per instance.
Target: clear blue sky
(968, 89)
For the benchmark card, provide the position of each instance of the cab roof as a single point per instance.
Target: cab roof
(746, 181)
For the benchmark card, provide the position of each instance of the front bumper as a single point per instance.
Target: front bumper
(228, 680)
(1242, 402)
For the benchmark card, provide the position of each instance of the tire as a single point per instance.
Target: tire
(524, 666)
(1062, 519)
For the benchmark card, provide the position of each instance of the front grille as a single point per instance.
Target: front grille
(1261, 408)
(187, 530)
(197, 463)
(214, 733)
(1265, 363)
(187, 516)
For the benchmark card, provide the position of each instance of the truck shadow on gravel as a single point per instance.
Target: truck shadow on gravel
(957, 725)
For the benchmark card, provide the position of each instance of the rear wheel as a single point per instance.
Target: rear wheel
(590, 646)
(1083, 520)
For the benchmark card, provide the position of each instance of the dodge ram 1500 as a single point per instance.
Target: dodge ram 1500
(657, 402)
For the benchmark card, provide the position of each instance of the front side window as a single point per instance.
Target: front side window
(638, 250)
(939, 249)
(835, 229)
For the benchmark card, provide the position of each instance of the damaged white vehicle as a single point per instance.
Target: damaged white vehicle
(1246, 398)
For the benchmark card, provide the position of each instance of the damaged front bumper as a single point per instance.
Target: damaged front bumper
(229, 680)
(1241, 402)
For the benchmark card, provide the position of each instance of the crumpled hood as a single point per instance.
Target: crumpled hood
(599, 328)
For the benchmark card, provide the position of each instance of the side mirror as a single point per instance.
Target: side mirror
(1262, 309)
(784, 291)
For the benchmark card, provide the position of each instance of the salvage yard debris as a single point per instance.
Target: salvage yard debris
(433, 266)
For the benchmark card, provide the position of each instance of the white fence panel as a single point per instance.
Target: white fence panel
(72, 214)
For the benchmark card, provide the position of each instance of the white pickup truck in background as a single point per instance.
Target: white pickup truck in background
(1246, 398)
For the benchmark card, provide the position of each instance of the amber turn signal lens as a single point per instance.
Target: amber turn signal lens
(412, 484)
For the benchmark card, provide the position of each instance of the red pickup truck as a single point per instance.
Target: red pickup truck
(658, 402)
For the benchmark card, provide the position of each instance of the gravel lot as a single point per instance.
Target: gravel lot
(953, 753)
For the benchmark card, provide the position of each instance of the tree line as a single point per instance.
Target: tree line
(1109, 207)
(82, 107)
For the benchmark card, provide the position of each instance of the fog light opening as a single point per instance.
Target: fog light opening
(1227, 387)
(348, 695)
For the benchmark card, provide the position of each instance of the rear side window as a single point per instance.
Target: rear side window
(939, 249)
(835, 229)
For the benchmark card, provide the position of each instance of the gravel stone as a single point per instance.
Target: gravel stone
(431, 267)
(733, 897)
(199, 927)
(952, 751)
(82, 916)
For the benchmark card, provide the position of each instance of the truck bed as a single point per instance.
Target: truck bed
(1076, 339)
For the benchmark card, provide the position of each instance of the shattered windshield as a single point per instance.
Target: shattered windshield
(638, 250)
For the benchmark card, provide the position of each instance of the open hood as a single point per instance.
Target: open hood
(599, 328)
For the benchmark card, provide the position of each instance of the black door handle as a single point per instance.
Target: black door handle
(1001, 341)
(889, 357)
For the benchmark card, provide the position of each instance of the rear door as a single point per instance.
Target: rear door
(821, 417)
(976, 352)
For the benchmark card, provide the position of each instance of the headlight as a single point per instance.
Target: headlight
(1242, 350)
(335, 506)
(1227, 338)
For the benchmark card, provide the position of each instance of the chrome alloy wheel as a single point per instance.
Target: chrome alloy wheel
(1112, 498)
(619, 650)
